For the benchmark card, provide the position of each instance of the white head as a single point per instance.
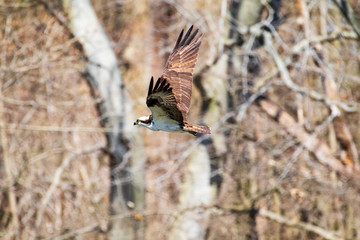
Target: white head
(145, 121)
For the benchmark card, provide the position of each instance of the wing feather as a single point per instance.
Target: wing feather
(172, 91)
(180, 67)
(161, 96)
(157, 84)
(151, 85)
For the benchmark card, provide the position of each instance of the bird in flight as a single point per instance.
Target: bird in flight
(169, 100)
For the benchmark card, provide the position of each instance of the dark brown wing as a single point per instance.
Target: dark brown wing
(180, 66)
(162, 102)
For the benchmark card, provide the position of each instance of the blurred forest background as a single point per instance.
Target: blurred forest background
(277, 81)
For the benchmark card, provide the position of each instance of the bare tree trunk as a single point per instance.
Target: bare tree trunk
(192, 220)
(191, 223)
(219, 96)
(124, 145)
(243, 63)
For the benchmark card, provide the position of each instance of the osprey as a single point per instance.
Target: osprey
(169, 99)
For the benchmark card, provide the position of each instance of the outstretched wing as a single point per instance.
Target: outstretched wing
(180, 67)
(162, 102)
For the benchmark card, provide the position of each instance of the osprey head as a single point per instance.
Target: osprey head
(144, 121)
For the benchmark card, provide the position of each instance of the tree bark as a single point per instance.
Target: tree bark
(123, 144)
(195, 192)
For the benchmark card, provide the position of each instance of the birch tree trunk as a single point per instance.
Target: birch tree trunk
(192, 220)
(124, 144)
(217, 97)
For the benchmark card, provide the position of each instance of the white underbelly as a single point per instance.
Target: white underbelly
(161, 121)
(167, 124)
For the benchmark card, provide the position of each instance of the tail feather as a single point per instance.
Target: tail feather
(194, 129)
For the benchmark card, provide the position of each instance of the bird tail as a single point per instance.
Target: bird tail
(194, 129)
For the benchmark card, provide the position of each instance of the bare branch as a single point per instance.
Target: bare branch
(313, 144)
(290, 84)
(297, 224)
(303, 44)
